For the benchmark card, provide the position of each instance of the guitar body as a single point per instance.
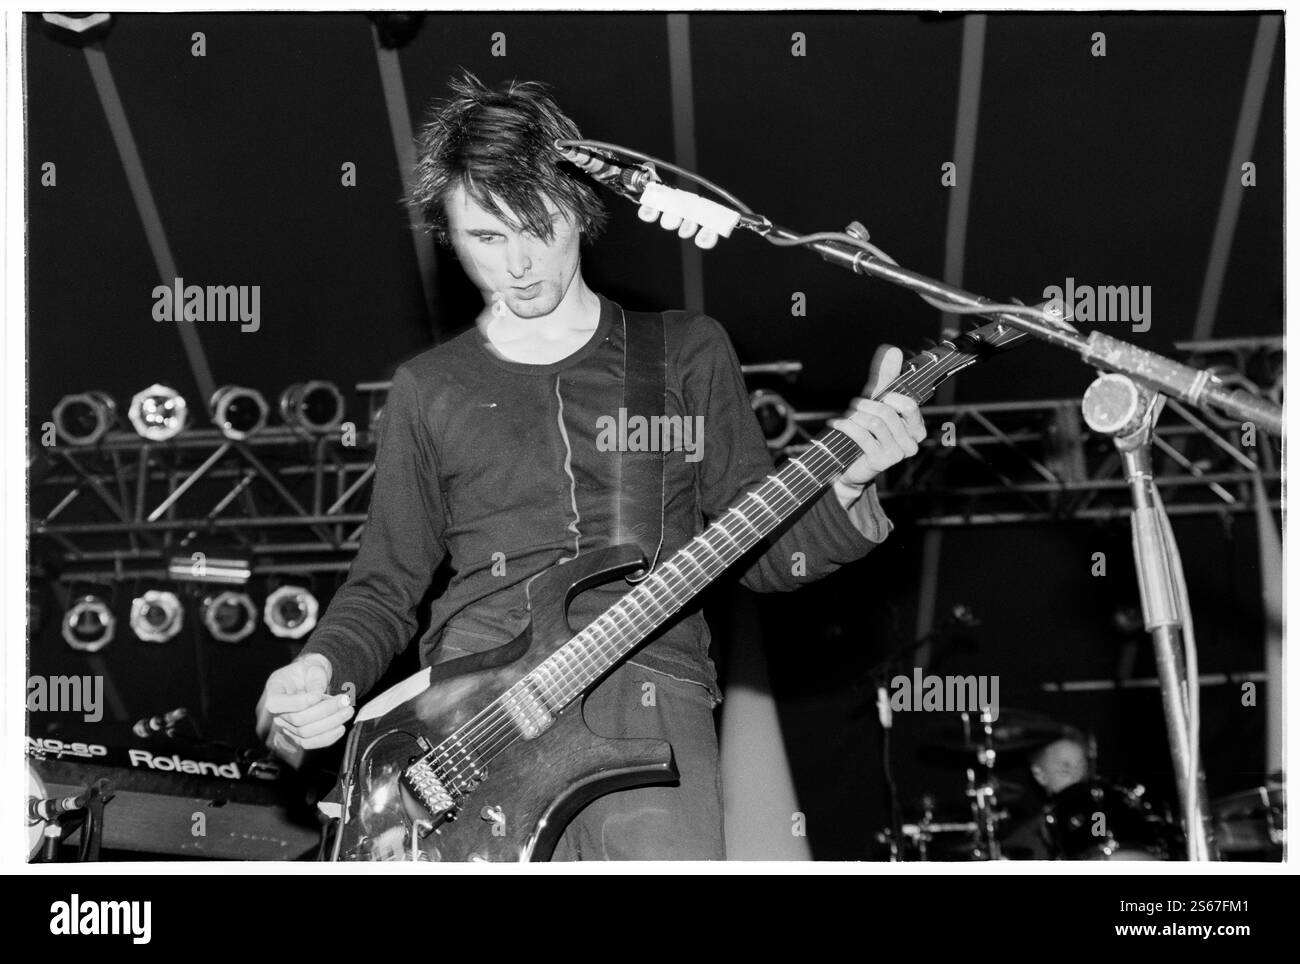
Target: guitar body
(551, 767)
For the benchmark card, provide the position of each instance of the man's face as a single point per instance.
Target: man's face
(528, 274)
(1061, 764)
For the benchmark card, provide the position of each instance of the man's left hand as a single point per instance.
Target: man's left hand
(887, 431)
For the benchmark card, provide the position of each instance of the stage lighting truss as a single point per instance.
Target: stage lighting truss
(994, 463)
(290, 612)
(158, 413)
(229, 616)
(89, 624)
(293, 505)
(156, 616)
(279, 501)
(84, 418)
(239, 413)
(316, 406)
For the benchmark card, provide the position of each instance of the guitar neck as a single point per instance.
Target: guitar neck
(529, 705)
(571, 669)
(621, 628)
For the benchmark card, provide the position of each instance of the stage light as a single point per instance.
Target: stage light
(89, 625)
(314, 406)
(775, 417)
(238, 412)
(84, 418)
(396, 29)
(78, 29)
(290, 612)
(200, 568)
(229, 616)
(156, 615)
(158, 413)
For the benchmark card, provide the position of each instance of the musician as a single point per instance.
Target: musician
(1055, 767)
(1059, 765)
(489, 453)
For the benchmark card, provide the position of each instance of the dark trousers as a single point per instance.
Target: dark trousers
(682, 822)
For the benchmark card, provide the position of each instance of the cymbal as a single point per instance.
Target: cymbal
(1247, 803)
(1012, 731)
(1251, 822)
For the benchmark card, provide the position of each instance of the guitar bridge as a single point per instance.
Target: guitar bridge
(422, 781)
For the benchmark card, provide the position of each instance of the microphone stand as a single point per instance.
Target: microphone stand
(1114, 405)
(1198, 387)
(848, 249)
(879, 676)
(1150, 375)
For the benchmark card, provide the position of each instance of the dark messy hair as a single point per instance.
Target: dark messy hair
(499, 146)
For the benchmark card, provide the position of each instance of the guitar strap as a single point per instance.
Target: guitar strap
(639, 502)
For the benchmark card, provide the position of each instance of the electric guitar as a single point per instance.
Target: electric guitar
(487, 757)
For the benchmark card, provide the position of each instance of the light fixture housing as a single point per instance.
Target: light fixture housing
(238, 412)
(315, 406)
(775, 417)
(158, 413)
(229, 616)
(290, 612)
(89, 624)
(157, 616)
(83, 418)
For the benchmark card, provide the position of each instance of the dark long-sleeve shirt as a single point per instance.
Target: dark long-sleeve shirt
(496, 463)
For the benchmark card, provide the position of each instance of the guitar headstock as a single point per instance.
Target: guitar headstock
(996, 334)
(924, 371)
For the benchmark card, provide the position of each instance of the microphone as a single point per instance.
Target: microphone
(883, 709)
(44, 811)
(607, 169)
(151, 725)
(1114, 405)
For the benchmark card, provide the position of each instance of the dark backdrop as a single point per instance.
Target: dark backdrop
(1108, 170)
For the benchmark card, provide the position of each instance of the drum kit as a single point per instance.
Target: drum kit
(1079, 815)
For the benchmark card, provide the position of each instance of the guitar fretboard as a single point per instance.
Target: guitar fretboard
(578, 663)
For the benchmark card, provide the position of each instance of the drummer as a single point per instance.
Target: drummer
(1059, 765)
(1056, 766)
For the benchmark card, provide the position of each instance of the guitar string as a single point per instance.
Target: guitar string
(606, 650)
(496, 717)
(500, 721)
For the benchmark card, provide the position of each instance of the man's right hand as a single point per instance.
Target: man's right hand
(296, 714)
